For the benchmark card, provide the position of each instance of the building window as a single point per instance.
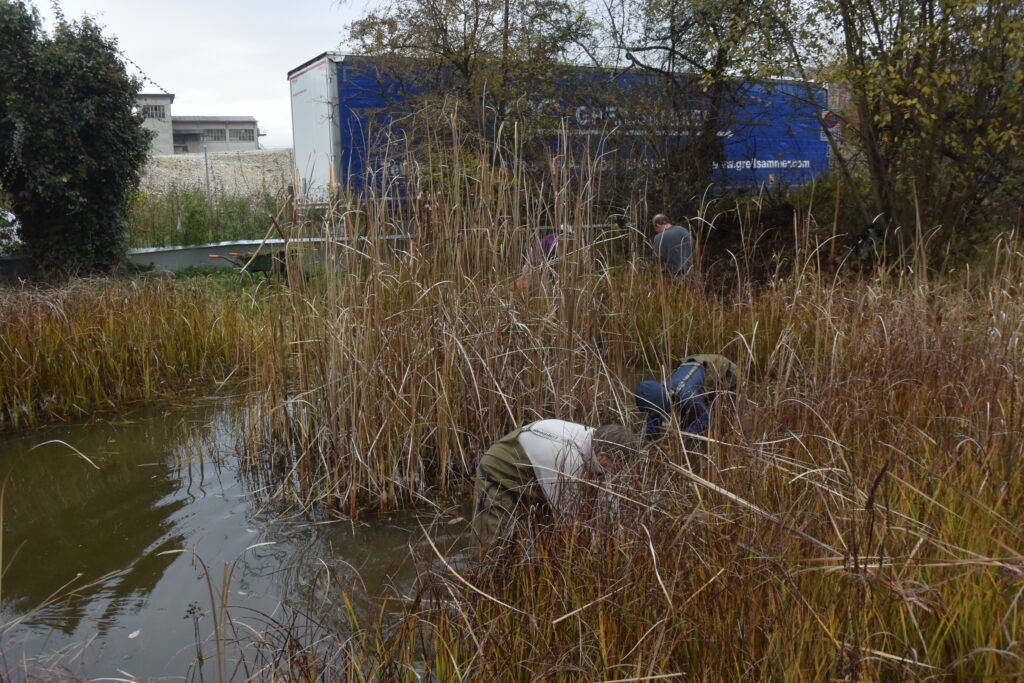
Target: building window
(154, 111)
(214, 135)
(242, 135)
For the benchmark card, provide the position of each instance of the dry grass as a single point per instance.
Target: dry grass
(858, 519)
(879, 441)
(858, 513)
(94, 344)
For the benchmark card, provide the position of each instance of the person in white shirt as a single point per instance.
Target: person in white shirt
(545, 468)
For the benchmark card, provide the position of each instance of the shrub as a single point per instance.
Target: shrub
(72, 145)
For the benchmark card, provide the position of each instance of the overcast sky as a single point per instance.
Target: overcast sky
(223, 57)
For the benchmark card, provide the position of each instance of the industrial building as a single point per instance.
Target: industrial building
(194, 134)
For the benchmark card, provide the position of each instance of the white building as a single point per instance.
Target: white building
(157, 110)
(193, 134)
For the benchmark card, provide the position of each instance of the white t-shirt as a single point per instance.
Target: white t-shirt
(561, 454)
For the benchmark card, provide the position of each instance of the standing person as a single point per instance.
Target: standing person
(541, 258)
(544, 469)
(543, 252)
(691, 389)
(672, 247)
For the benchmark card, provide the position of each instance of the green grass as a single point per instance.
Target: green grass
(186, 215)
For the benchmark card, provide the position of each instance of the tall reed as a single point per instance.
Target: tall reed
(854, 518)
(93, 344)
(397, 366)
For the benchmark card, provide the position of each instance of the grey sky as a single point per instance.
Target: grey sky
(222, 57)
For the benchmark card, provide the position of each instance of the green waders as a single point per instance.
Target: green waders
(719, 372)
(506, 491)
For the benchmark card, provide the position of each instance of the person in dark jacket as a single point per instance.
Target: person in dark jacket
(672, 247)
(689, 393)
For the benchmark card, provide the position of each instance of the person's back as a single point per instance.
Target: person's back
(545, 468)
(689, 391)
(672, 246)
(721, 374)
(559, 452)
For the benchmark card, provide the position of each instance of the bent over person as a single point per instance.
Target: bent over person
(541, 469)
(672, 247)
(691, 389)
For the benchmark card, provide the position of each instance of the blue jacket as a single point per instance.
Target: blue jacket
(684, 394)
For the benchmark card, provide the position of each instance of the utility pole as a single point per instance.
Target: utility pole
(206, 165)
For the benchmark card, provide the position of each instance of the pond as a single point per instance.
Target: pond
(118, 536)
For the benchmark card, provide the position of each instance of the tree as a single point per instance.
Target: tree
(938, 106)
(703, 54)
(464, 78)
(72, 145)
(490, 52)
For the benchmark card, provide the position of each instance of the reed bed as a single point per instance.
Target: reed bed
(184, 214)
(857, 519)
(857, 515)
(392, 371)
(93, 344)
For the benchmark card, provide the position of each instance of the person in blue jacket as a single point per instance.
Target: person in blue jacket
(690, 390)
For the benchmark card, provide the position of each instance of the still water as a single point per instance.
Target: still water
(94, 518)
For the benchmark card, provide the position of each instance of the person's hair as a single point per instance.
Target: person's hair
(615, 441)
(662, 219)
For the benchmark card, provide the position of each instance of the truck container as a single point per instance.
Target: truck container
(773, 133)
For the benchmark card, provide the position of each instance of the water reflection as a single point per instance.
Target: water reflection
(368, 563)
(103, 541)
(64, 519)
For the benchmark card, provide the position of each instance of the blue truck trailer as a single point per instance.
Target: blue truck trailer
(772, 134)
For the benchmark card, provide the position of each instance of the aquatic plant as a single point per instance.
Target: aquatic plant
(91, 345)
(183, 214)
(855, 516)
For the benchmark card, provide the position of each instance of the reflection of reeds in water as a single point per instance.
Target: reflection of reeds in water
(855, 519)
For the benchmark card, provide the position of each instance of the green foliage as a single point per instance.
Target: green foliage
(937, 110)
(471, 47)
(72, 145)
(186, 215)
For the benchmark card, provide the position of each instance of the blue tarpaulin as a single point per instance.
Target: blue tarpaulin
(770, 132)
